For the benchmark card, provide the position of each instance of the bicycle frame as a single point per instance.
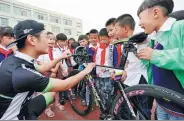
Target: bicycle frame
(128, 47)
(90, 82)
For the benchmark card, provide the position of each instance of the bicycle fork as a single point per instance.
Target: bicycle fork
(126, 99)
(104, 114)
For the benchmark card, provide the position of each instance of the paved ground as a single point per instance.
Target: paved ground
(69, 114)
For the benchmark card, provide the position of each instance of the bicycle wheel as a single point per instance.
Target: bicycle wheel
(79, 107)
(81, 94)
(119, 107)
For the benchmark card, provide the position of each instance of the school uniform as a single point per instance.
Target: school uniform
(135, 69)
(4, 53)
(166, 66)
(106, 55)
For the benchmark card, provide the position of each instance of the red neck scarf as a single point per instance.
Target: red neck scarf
(103, 53)
(119, 53)
(6, 53)
(51, 53)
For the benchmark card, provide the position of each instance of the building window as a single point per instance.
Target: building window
(68, 31)
(4, 8)
(78, 25)
(4, 21)
(55, 29)
(40, 16)
(22, 12)
(67, 22)
(79, 33)
(55, 19)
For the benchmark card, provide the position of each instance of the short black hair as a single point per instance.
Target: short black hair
(6, 31)
(103, 32)
(81, 37)
(168, 5)
(178, 15)
(126, 19)
(22, 42)
(87, 34)
(110, 21)
(48, 33)
(71, 39)
(93, 31)
(61, 36)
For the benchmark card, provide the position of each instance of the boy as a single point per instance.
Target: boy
(135, 72)
(83, 41)
(20, 78)
(110, 26)
(111, 29)
(106, 55)
(61, 40)
(165, 56)
(54, 72)
(6, 37)
(94, 41)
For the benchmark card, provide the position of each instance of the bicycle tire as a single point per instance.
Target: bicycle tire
(89, 107)
(147, 90)
(91, 99)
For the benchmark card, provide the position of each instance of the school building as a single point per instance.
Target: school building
(13, 11)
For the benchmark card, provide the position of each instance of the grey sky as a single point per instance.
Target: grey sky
(94, 13)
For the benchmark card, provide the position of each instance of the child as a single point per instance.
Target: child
(83, 41)
(70, 41)
(164, 57)
(94, 41)
(71, 61)
(61, 41)
(54, 71)
(125, 25)
(6, 37)
(110, 26)
(135, 72)
(106, 56)
(111, 29)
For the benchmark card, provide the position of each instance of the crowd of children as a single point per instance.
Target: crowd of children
(159, 62)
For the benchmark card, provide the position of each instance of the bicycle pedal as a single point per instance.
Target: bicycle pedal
(109, 117)
(106, 117)
(102, 116)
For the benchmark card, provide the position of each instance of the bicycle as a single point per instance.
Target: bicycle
(127, 99)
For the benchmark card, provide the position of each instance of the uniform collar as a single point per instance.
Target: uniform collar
(3, 47)
(25, 57)
(91, 46)
(167, 25)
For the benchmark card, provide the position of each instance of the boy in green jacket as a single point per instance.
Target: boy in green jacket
(165, 56)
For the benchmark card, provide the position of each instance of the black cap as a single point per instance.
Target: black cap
(25, 28)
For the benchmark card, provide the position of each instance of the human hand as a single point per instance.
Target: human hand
(124, 76)
(66, 54)
(53, 75)
(112, 75)
(89, 67)
(65, 73)
(145, 53)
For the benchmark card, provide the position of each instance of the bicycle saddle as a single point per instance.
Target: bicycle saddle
(138, 38)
